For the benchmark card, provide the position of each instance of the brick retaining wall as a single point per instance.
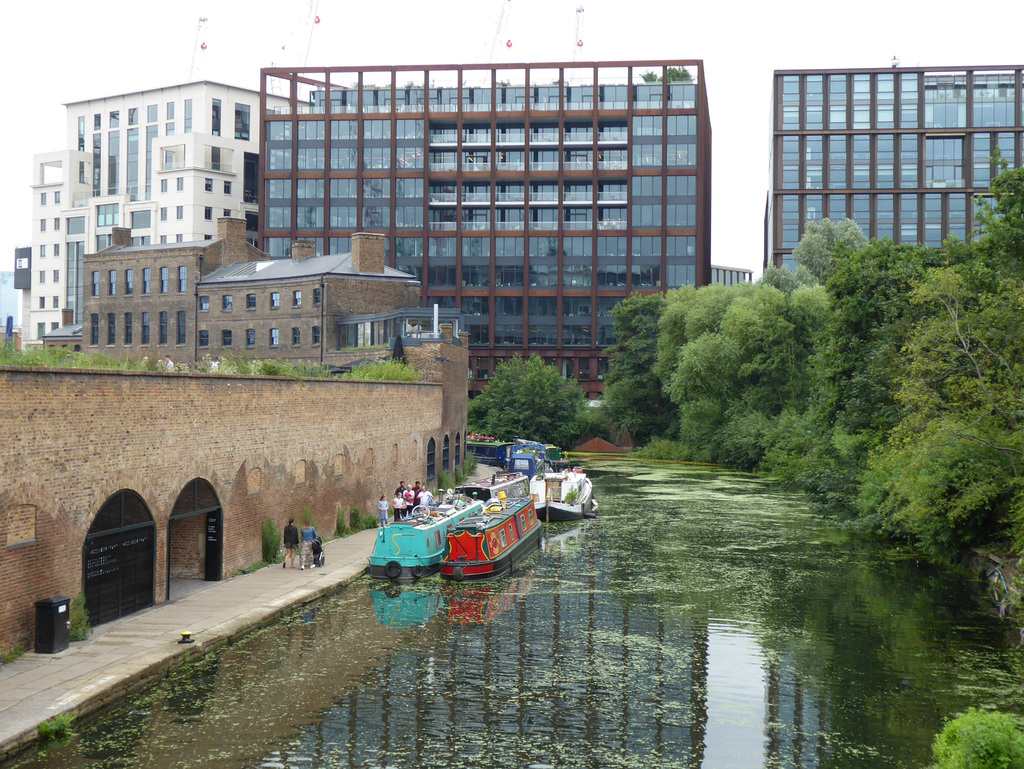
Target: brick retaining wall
(270, 447)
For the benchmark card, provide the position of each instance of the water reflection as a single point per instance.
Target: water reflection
(705, 621)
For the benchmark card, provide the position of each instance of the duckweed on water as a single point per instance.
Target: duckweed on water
(704, 619)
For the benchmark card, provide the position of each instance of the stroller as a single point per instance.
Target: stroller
(318, 552)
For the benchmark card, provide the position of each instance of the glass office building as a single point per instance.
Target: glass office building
(902, 151)
(532, 198)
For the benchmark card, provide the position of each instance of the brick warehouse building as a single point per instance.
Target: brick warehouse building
(902, 151)
(532, 197)
(223, 297)
(190, 467)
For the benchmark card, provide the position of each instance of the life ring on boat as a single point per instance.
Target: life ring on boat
(393, 569)
(493, 542)
(418, 571)
(458, 574)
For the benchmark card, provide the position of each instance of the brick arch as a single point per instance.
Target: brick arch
(119, 558)
(195, 534)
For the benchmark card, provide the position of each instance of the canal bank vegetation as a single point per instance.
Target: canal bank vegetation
(885, 380)
(238, 365)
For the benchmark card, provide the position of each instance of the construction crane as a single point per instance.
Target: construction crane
(301, 38)
(579, 32)
(197, 48)
(499, 32)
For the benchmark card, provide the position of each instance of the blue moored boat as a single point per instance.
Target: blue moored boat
(412, 547)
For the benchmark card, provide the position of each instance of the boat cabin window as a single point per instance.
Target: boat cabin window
(522, 520)
(437, 538)
(529, 513)
(504, 541)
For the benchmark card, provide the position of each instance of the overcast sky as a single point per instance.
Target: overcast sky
(58, 52)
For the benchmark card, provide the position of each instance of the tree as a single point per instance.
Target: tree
(820, 244)
(633, 398)
(980, 739)
(675, 75)
(529, 399)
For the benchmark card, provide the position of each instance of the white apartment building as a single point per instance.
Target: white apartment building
(167, 163)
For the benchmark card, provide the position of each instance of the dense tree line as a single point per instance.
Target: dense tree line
(884, 380)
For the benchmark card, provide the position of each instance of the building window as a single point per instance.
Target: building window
(227, 188)
(128, 328)
(129, 281)
(163, 213)
(182, 279)
(316, 336)
(275, 336)
(179, 212)
(208, 213)
(296, 299)
(112, 283)
(204, 339)
(95, 283)
(208, 185)
(162, 339)
(181, 184)
(296, 337)
(164, 279)
(250, 301)
(431, 451)
(146, 280)
(227, 302)
(275, 300)
(107, 215)
(242, 122)
(204, 304)
(145, 328)
(225, 338)
(94, 329)
(111, 328)
(316, 297)
(215, 118)
(181, 327)
(250, 337)
(163, 185)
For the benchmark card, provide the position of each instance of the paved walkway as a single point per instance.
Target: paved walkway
(120, 656)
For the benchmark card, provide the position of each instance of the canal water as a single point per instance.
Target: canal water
(705, 620)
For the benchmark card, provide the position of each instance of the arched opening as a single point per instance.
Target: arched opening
(446, 455)
(119, 559)
(194, 539)
(431, 450)
(458, 450)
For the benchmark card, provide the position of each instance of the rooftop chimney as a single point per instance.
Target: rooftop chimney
(303, 249)
(368, 252)
(120, 236)
(232, 230)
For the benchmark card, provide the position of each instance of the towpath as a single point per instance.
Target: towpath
(125, 654)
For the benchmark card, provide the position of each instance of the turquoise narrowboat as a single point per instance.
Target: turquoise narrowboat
(412, 547)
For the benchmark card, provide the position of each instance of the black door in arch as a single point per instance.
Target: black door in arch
(119, 559)
(195, 534)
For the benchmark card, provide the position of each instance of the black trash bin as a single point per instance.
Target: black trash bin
(53, 624)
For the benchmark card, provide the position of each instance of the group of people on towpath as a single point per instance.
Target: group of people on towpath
(293, 538)
(406, 498)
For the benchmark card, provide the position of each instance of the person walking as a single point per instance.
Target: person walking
(382, 511)
(291, 542)
(306, 553)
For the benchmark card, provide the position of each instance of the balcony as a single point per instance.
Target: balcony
(510, 197)
(444, 226)
(543, 165)
(611, 224)
(476, 226)
(476, 197)
(445, 165)
(442, 197)
(510, 165)
(612, 165)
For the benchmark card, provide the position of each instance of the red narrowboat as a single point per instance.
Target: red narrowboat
(489, 545)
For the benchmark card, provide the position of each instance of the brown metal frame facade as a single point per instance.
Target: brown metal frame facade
(930, 199)
(588, 362)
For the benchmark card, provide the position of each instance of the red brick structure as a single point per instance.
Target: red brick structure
(202, 461)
